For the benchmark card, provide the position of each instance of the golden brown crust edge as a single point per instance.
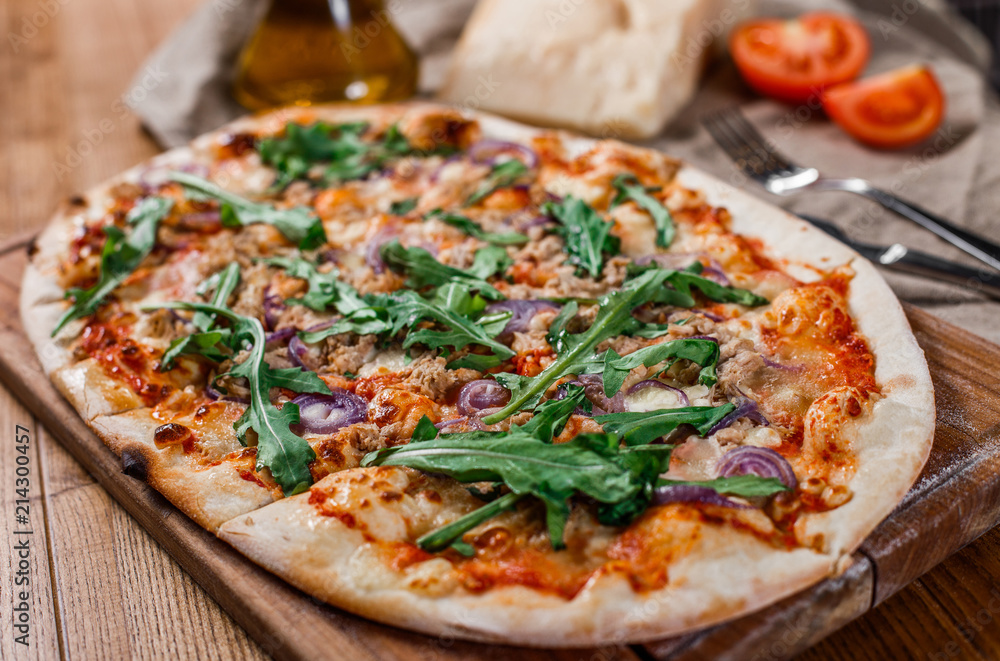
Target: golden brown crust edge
(332, 561)
(892, 449)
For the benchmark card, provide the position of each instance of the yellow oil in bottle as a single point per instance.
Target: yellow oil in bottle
(315, 51)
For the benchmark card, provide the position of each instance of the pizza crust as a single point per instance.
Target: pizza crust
(335, 562)
(209, 494)
(326, 559)
(893, 447)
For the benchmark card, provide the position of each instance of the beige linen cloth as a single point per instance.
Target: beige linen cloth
(955, 174)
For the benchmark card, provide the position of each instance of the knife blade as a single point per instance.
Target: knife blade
(898, 257)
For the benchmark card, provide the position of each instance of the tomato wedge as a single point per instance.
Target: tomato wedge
(894, 109)
(794, 60)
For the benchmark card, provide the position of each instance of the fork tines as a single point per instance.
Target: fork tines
(745, 145)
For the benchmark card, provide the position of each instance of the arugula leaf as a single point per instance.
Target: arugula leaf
(359, 159)
(587, 235)
(743, 486)
(204, 343)
(278, 449)
(120, 257)
(682, 282)
(551, 416)
(456, 298)
(642, 427)
(366, 321)
(590, 464)
(424, 431)
(295, 153)
(629, 188)
(341, 146)
(489, 261)
(403, 207)
(613, 317)
(423, 270)
(703, 352)
(409, 308)
(224, 283)
(501, 176)
(452, 307)
(476, 231)
(557, 336)
(298, 224)
(451, 535)
(325, 289)
(622, 513)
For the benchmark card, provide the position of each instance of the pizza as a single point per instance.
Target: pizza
(473, 378)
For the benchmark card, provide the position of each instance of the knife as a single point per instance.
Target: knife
(898, 257)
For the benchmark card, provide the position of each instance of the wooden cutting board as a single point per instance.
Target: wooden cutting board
(955, 500)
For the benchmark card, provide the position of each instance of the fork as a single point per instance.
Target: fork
(766, 165)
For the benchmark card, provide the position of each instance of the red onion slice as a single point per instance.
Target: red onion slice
(745, 408)
(693, 493)
(176, 317)
(593, 388)
(716, 275)
(753, 460)
(522, 312)
(280, 335)
(373, 256)
(475, 396)
(537, 221)
(214, 393)
(653, 383)
(708, 315)
(301, 355)
(487, 151)
(780, 366)
(273, 307)
(325, 414)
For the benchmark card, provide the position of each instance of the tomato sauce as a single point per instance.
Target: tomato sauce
(124, 360)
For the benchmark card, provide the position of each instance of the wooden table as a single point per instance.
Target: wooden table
(100, 586)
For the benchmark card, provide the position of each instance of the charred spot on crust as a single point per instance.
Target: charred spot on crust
(236, 144)
(32, 246)
(77, 201)
(135, 464)
(170, 433)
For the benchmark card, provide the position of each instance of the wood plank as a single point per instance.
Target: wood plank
(953, 612)
(958, 494)
(83, 559)
(121, 594)
(32, 120)
(33, 578)
(783, 629)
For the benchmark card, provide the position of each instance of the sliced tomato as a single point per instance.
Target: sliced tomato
(894, 109)
(794, 60)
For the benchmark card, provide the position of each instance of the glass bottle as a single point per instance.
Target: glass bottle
(315, 51)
